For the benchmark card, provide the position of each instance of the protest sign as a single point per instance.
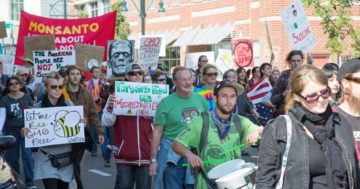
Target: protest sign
(37, 43)
(121, 54)
(8, 64)
(95, 31)
(3, 33)
(47, 61)
(224, 61)
(88, 56)
(139, 99)
(56, 125)
(149, 52)
(191, 59)
(297, 27)
(243, 52)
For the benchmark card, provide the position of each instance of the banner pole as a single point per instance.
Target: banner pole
(3, 45)
(269, 42)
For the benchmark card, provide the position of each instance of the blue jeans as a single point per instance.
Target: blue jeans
(12, 156)
(108, 140)
(161, 158)
(175, 176)
(127, 175)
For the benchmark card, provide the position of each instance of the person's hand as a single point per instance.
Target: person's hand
(84, 121)
(256, 114)
(253, 137)
(101, 139)
(24, 131)
(111, 103)
(194, 160)
(153, 169)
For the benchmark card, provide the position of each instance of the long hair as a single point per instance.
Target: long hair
(302, 76)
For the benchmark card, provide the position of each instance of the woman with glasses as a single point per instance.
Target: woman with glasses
(15, 101)
(321, 153)
(209, 74)
(52, 177)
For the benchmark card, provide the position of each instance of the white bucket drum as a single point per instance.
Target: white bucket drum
(236, 179)
(225, 168)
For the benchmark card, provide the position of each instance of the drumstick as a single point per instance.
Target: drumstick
(206, 162)
(232, 149)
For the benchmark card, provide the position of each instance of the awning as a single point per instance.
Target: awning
(186, 38)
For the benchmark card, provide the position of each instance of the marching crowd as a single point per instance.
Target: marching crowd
(305, 121)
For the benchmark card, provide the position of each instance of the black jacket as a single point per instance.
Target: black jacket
(297, 173)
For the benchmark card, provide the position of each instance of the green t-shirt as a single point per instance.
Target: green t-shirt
(214, 145)
(175, 112)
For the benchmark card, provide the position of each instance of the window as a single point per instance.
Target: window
(106, 4)
(94, 9)
(171, 59)
(16, 7)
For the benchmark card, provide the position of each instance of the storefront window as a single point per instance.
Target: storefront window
(171, 59)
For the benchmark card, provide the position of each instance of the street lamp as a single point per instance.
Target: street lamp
(142, 11)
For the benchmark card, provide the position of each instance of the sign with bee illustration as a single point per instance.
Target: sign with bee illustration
(52, 126)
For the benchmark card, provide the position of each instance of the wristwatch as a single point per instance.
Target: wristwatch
(153, 160)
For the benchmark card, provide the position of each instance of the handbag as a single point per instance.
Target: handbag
(59, 160)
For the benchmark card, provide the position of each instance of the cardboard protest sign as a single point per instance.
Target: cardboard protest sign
(149, 52)
(3, 33)
(47, 61)
(224, 61)
(139, 99)
(121, 54)
(297, 27)
(38, 43)
(51, 126)
(67, 32)
(8, 64)
(88, 56)
(191, 59)
(243, 52)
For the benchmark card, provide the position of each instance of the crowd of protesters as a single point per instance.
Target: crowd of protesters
(323, 106)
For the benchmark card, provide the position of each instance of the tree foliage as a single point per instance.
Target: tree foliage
(122, 29)
(337, 24)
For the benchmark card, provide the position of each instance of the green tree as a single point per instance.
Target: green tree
(337, 24)
(122, 29)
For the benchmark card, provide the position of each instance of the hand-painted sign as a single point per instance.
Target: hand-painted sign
(37, 43)
(149, 52)
(191, 59)
(3, 33)
(224, 60)
(243, 52)
(88, 56)
(8, 64)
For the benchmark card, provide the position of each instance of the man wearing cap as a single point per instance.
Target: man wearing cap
(120, 55)
(132, 137)
(226, 134)
(349, 102)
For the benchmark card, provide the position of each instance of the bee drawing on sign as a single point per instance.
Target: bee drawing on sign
(66, 124)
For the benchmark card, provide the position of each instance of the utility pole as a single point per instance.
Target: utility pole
(65, 9)
(142, 16)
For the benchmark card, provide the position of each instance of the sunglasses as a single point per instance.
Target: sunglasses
(13, 83)
(315, 96)
(56, 87)
(354, 79)
(212, 74)
(134, 73)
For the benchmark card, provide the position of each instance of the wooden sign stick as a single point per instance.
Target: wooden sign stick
(269, 43)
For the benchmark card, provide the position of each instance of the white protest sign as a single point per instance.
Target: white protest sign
(53, 60)
(297, 26)
(51, 126)
(224, 61)
(8, 64)
(149, 51)
(191, 59)
(139, 99)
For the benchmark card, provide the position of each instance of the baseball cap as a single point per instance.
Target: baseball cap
(351, 66)
(132, 67)
(238, 88)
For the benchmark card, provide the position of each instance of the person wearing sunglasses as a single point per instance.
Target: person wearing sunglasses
(159, 77)
(15, 101)
(209, 74)
(321, 153)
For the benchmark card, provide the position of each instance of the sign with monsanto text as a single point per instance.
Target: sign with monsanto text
(243, 52)
(139, 99)
(297, 27)
(149, 51)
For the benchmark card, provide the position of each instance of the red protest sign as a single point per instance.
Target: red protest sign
(243, 52)
(95, 31)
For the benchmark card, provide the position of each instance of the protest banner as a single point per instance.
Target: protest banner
(149, 52)
(224, 61)
(95, 31)
(37, 43)
(8, 64)
(297, 26)
(243, 52)
(47, 61)
(191, 59)
(139, 99)
(56, 125)
(3, 33)
(88, 56)
(121, 54)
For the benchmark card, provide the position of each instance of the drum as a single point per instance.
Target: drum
(225, 168)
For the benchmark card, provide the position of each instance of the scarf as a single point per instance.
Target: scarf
(336, 170)
(222, 125)
(45, 102)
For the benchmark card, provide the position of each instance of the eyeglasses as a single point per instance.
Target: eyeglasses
(134, 73)
(212, 74)
(56, 87)
(24, 75)
(162, 80)
(354, 79)
(13, 83)
(325, 93)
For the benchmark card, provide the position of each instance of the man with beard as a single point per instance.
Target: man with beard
(349, 102)
(221, 141)
(120, 55)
